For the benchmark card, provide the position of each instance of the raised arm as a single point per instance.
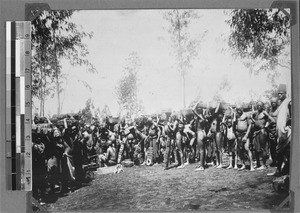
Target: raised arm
(110, 133)
(174, 126)
(48, 120)
(159, 132)
(217, 108)
(141, 135)
(67, 148)
(234, 117)
(223, 119)
(157, 120)
(65, 123)
(192, 122)
(200, 116)
(194, 111)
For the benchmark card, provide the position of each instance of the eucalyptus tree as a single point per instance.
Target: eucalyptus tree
(127, 88)
(261, 38)
(56, 37)
(183, 44)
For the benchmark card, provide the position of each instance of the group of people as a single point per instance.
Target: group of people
(200, 135)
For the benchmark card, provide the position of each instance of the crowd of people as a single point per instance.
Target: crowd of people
(65, 149)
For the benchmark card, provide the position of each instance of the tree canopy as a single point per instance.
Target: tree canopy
(87, 112)
(55, 37)
(259, 35)
(127, 88)
(261, 38)
(184, 46)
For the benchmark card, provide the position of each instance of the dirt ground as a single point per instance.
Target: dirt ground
(141, 188)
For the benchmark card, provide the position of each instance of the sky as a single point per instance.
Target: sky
(117, 33)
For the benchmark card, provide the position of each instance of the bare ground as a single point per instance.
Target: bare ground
(145, 188)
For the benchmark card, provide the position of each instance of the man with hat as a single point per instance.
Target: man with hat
(282, 92)
(283, 129)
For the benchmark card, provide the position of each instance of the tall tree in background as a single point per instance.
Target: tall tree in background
(55, 37)
(105, 113)
(261, 38)
(127, 88)
(223, 88)
(43, 65)
(87, 112)
(97, 113)
(184, 45)
(42, 84)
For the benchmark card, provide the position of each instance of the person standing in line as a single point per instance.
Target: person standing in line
(201, 134)
(283, 128)
(272, 131)
(243, 128)
(229, 126)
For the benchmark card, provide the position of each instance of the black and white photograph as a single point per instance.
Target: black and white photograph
(161, 110)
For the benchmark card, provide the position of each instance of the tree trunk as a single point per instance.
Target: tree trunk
(58, 93)
(41, 102)
(183, 83)
(41, 95)
(56, 77)
(43, 90)
(180, 57)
